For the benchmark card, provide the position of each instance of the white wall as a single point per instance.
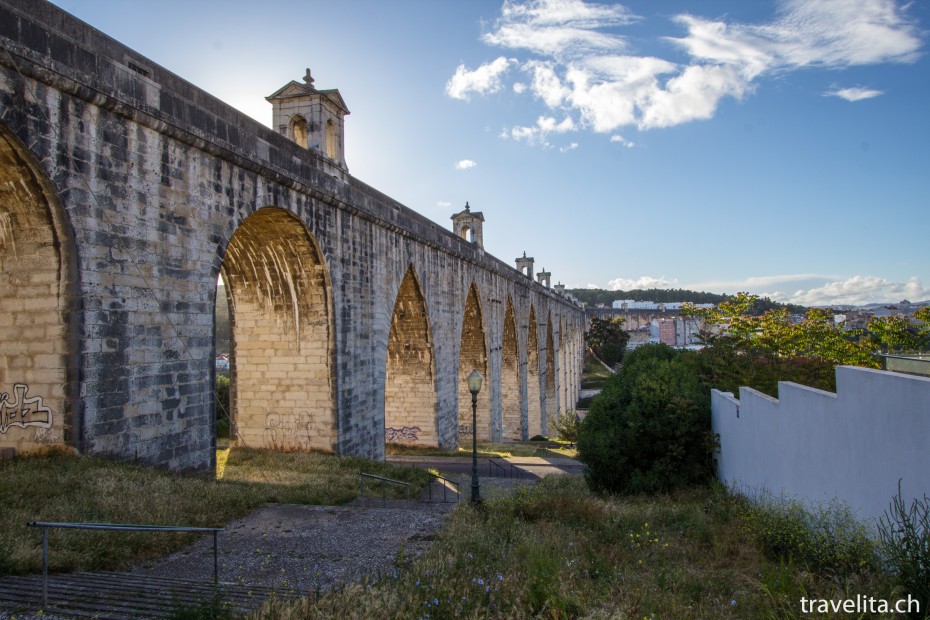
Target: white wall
(816, 446)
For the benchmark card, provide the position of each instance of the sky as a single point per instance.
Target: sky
(776, 147)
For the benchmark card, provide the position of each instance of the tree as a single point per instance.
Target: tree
(607, 339)
(649, 429)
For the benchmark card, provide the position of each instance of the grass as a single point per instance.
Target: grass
(59, 486)
(593, 374)
(541, 449)
(557, 551)
(554, 550)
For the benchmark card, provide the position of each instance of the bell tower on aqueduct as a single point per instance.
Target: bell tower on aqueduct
(314, 119)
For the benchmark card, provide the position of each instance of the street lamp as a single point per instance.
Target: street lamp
(474, 386)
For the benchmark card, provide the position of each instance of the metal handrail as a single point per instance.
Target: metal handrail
(361, 480)
(121, 527)
(444, 487)
(498, 466)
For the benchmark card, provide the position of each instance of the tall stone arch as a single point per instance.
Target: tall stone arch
(511, 408)
(410, 384)
(552, 405)
(281, 315)
(534, 409)
(38, 308)
(473, 355)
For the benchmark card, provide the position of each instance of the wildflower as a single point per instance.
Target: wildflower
(480, 581)
(435, 601)
(500, 577)
(733, 603)
(469, 555)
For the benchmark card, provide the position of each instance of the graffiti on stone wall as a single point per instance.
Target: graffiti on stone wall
(288, 431)
(22, 411)
(464, 430)
(401, 435)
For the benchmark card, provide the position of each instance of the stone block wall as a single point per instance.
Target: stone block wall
(150, 188)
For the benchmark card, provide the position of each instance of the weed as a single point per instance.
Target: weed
(904, 535)
(825, 537)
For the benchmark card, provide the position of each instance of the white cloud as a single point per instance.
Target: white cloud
(620, 139)
(545, 125)
(443, 204)
(829, 33)
(583, 68)
(859, 290)
(570, 147)
(465, 164)
(854, 94)
(483, 80)
(693, 95)
(644, 282)
(560, 28)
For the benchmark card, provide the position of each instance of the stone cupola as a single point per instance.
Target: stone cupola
(525, 266)
(467, 225)
(544, 277)
(314, 119)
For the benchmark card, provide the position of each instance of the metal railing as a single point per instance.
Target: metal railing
(513, 470)
(117, 527)
(497, 468)
(916, 364)
(446, 483)
(361, 482)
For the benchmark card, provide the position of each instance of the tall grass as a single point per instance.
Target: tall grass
(58, 486)
(557, 551)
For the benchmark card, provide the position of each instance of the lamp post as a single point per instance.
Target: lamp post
(474, 386)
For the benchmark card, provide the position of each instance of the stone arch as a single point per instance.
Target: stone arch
(38, 308)
(552, 406)
(282, 324)
(563, 367)
(473, 355)
(300, 131)
(533, 396)
(410, 385)
(510, 379)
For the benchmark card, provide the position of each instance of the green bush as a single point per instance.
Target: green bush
(825, 537)
(222, 406)
(649, 429)
(567, 425)
(904, 535)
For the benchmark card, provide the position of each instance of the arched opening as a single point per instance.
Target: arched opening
(410, 387)
(552, 406)
(533, 396)
(299, 130)
(281, 315)
(332, 144)
(510, 379)
(473, 355)
(38, 367)
(563, 369)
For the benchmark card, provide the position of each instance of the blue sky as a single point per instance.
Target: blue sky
(781, 148)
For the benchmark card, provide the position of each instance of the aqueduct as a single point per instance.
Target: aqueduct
(126, 192)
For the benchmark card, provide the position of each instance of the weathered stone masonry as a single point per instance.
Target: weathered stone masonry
(125, 192)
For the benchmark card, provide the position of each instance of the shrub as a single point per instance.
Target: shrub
(825, 537)
(567, 425)
(904, 539)
(222, 406)
(649, 429)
